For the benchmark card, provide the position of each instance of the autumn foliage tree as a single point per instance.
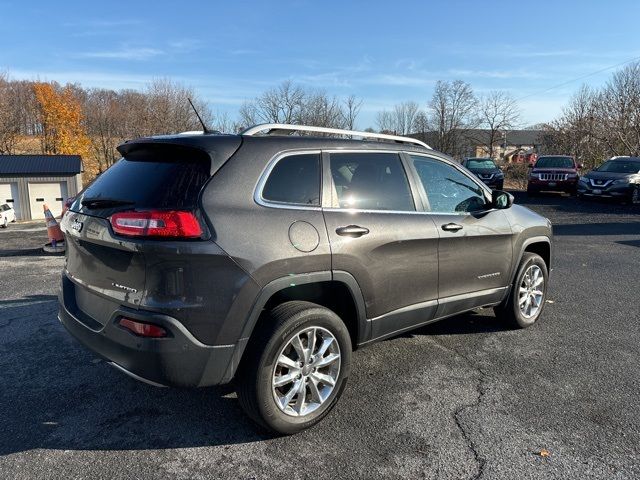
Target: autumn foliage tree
(61, 130)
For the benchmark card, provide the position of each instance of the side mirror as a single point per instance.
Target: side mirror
(501, 199)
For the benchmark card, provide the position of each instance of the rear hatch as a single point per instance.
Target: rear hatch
(111, 266)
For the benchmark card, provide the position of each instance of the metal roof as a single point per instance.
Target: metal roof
(40, 164)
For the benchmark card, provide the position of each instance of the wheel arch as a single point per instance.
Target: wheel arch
(338, 291)
(540, 245)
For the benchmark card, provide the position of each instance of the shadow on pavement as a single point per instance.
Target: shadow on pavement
(54, 394)
(481, 321)
(613, 228)
(566, 203)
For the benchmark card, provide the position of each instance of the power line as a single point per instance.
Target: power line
(578, 78)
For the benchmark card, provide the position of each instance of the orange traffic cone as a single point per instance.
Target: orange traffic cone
(56, 238)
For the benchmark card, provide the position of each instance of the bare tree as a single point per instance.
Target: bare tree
(617, 112)
(400, 120)
(320, 110)
(385, 122)
(281, 104)
(9, 116)
(575, 132)
(498, 112)
(405, 116)
(103, 113)
(352, 105)
(452, 112)
(169, 110)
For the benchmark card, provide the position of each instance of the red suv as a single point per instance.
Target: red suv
(558, 173)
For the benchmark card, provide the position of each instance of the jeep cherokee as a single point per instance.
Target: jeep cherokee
(267, 258)
(557, 173)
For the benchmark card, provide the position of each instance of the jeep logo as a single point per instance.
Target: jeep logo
(76, 225)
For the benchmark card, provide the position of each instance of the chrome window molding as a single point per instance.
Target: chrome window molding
(260, 200)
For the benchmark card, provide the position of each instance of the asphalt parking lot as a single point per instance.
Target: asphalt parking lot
(460, 399)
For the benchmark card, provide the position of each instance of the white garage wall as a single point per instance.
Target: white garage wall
(72, 183)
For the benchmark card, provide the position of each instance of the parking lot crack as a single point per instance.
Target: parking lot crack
(457, 413)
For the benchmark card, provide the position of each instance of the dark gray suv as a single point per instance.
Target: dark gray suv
(267, 258)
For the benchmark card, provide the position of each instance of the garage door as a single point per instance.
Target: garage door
(53, 194)
(9, 195)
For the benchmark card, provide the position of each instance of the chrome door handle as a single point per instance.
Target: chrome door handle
(352, 231)
(451, 227)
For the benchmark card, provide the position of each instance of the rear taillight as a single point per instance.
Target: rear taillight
(142, 329)
(156, 223)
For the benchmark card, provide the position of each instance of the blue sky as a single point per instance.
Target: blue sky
(383, 52)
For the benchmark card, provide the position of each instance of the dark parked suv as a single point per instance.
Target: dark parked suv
(268, 258)
(486, 170)
(556, 173)
(617, 178)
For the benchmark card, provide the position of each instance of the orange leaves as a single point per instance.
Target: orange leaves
(61, 127)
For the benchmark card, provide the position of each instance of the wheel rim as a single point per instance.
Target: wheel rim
(306, 371)
(531, 292)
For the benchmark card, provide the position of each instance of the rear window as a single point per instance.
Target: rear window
(164, 181)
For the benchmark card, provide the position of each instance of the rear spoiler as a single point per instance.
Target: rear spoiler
(217, 148)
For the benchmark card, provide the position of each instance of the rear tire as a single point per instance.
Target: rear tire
(4, 223)
(528, 294)
(273, 368)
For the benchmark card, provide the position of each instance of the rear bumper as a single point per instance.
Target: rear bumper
(178, 360)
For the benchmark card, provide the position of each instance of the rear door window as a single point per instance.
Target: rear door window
(294, 180)
(370, 181)
(447, 189)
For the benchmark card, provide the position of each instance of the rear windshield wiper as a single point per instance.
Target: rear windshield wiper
(92, 203)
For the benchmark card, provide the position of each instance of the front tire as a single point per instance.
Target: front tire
(527, 298)
(4, 223)
(296, 367)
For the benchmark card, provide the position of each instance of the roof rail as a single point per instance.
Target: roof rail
(251, 131)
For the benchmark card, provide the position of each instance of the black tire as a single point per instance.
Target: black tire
(500, 186)
(254, 376)
(509, 311)
(4, 223)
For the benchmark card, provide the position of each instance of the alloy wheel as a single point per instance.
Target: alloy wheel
(306, 371)
(531, 292)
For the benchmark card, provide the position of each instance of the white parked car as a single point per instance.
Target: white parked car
(7, 214)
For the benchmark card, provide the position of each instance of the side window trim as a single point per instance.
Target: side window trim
(260, 200)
